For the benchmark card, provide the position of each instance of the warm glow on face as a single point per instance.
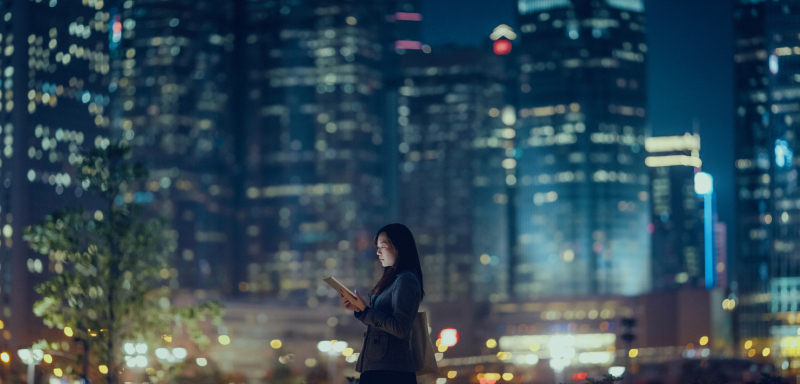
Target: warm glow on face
(387, 253)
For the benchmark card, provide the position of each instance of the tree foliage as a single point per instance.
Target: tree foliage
(110, 263)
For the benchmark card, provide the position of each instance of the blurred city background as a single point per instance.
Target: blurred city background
(595, 186)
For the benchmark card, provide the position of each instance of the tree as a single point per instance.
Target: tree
(109, 263)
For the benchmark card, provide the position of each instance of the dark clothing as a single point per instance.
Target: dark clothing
(387, 377)
(389, 320)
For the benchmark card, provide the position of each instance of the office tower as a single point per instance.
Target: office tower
(767, 97)
(171, 70)
(452, 190)
(54, 103)
(582, 209)
(315, 146)
(677, 212)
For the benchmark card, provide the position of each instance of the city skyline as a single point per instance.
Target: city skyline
(546, 165)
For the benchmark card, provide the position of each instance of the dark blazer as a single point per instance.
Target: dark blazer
(389, 319)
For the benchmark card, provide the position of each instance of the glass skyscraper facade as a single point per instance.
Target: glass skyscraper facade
(452, 190)
(582, 186)
(170, 77)
(753, 163)
(677, 212)
(767, 44)
(315, 146)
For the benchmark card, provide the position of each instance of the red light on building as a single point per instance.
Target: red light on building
(407, 44)
(579, 376)
(408, 16)
(502, 47)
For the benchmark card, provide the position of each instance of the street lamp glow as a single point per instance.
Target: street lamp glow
(703, 183)
(141, 348)
(130, 348)
(24, 354)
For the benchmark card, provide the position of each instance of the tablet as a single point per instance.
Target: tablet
(338, 286)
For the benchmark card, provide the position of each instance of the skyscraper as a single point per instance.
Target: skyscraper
(55, 102)
(452, 190)
(677, 217)
(766, 47)
(582, 185)
(171, 68)
(314, 145)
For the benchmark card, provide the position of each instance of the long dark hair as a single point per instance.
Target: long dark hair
(407, 257)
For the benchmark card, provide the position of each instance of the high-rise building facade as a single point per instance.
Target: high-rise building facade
(315, 145)
(767, 85)
(582, 185)
(171, 70)
(753, 162)
(452, 185)
(677, 212)
(54, 103)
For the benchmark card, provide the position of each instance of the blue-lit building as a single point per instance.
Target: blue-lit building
(452, 185)
(582, 206)
(767, 101)
(315, 146)
(171, 81)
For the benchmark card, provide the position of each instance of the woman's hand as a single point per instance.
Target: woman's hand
(352, 303)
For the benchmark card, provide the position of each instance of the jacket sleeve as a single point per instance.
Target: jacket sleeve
(406, 297)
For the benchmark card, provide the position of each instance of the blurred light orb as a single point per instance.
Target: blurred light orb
(449, 337)
(502, 47)
(141, 348)
(339, 346)
(224, 339)
(324, 346)
(703, 183)
(141, 361)
(162, 353)
(201, 361)
(179, 353)
(616, 371)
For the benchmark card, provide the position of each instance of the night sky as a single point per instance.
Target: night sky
(690, 70)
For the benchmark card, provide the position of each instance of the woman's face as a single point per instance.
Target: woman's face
(387, 253)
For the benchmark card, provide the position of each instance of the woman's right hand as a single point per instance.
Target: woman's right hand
(347, 302)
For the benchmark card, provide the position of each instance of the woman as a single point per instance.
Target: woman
(385, 355)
